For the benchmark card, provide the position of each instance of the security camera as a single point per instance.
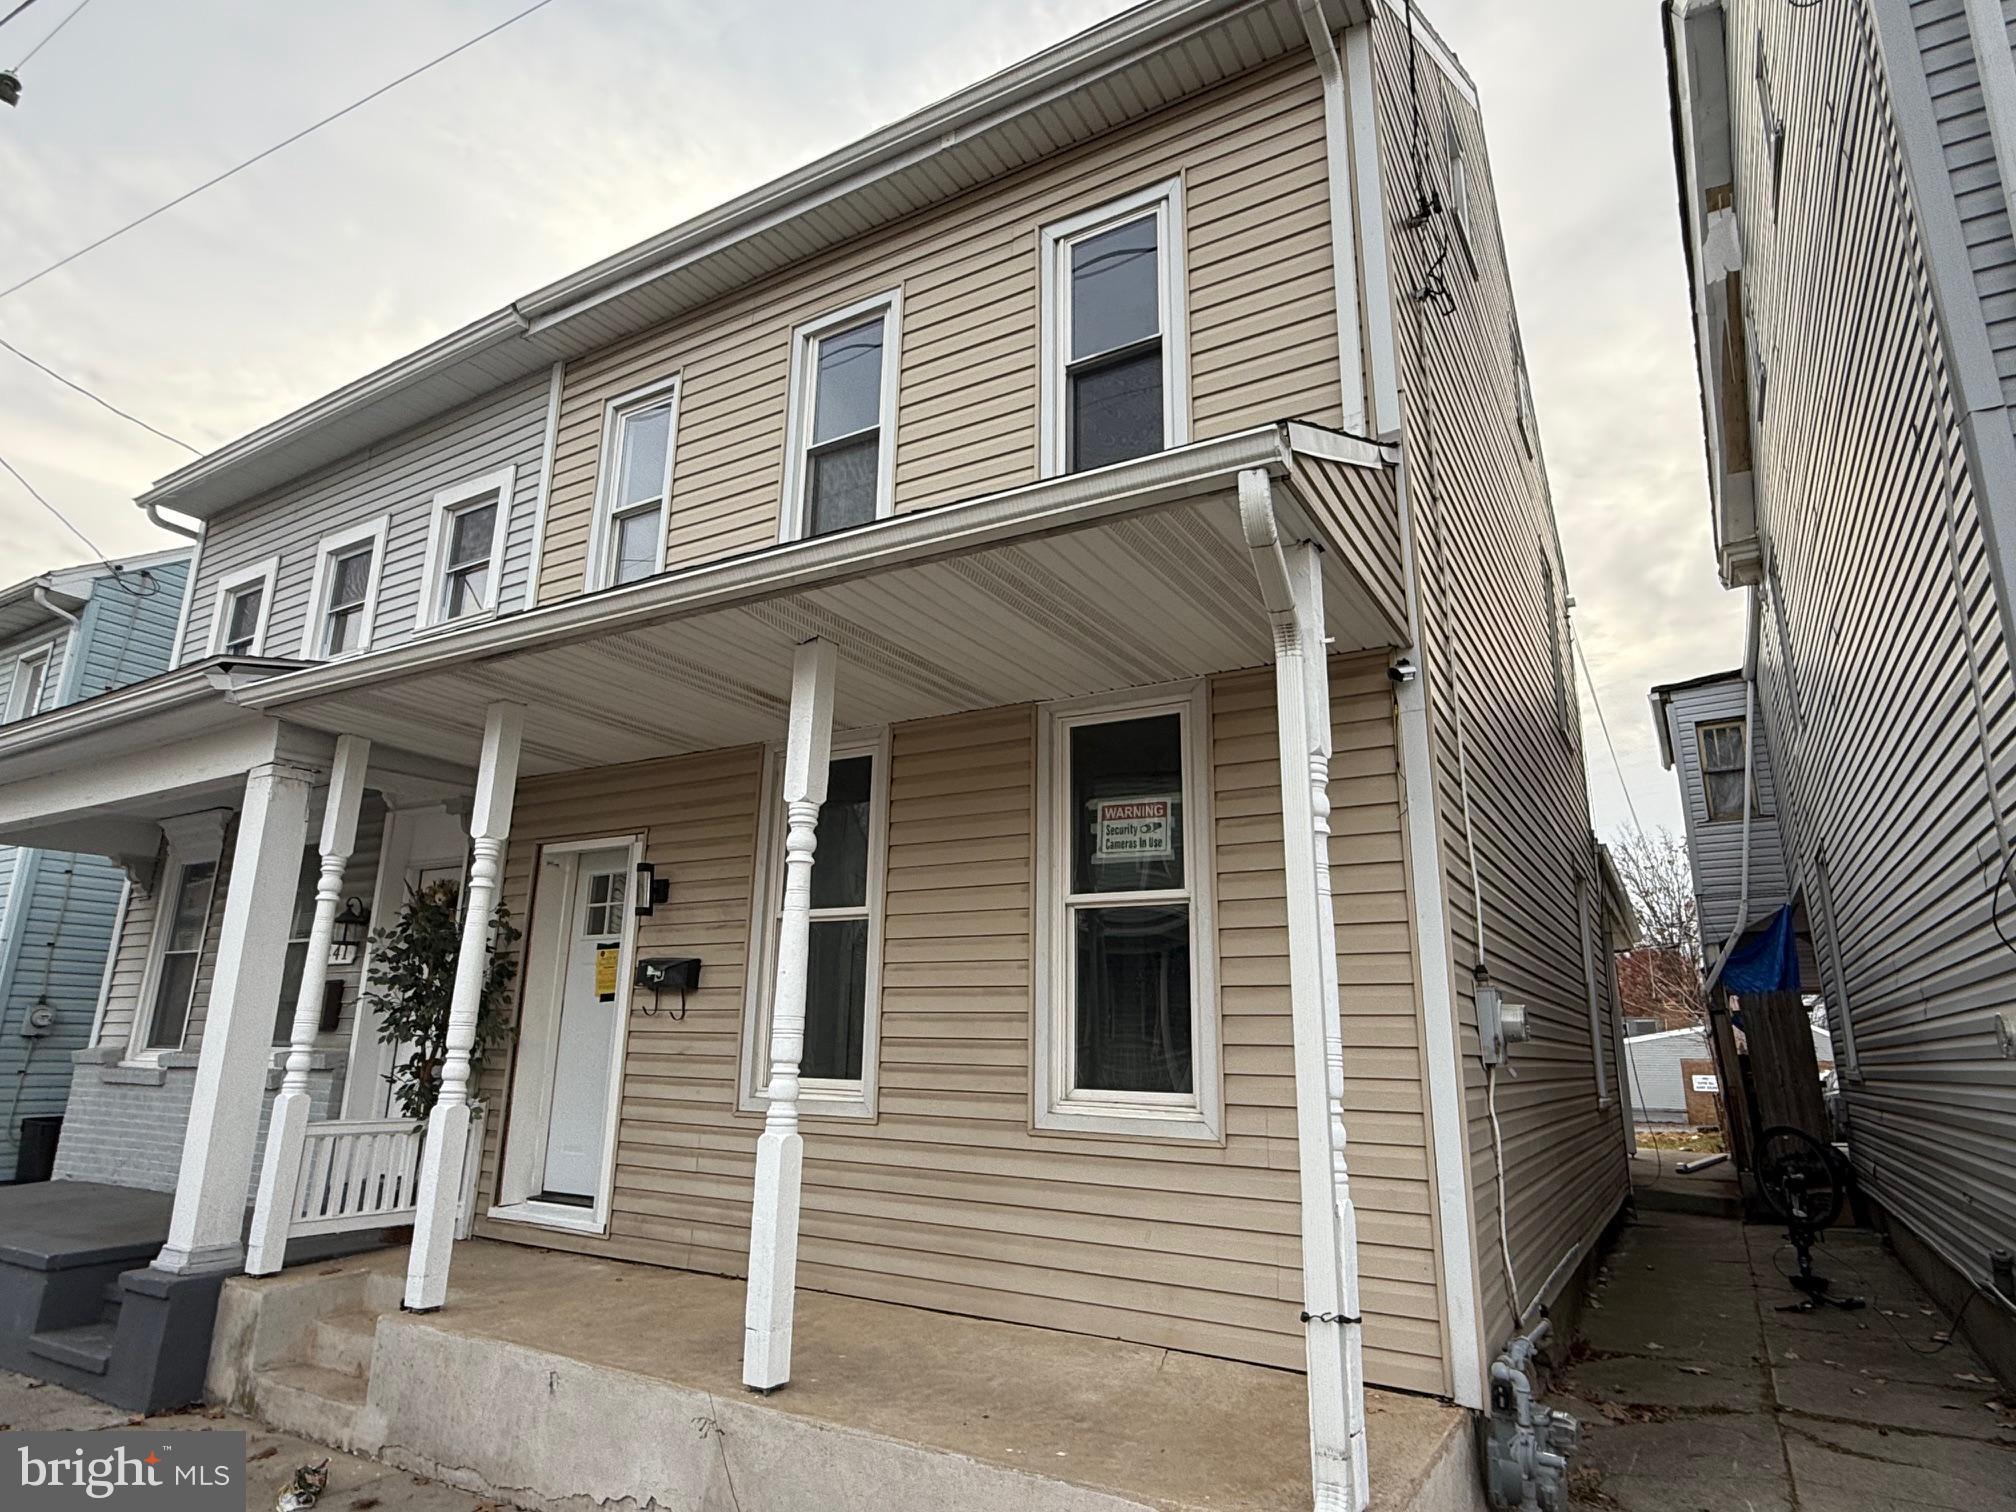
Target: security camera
(1403, 670)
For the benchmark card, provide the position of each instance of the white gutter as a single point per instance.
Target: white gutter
(154, 516)
(41, 597)
(1343, 234)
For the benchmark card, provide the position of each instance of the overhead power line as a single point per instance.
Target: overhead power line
(16, 11)
(50, 36)
(1596, 700)
(211, 183)
(36, 494)
(71, 383)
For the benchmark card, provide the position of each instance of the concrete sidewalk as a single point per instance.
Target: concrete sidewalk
(356, 1484)
(1697, 1395)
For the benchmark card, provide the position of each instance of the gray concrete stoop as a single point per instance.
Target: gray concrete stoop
(556, 1382)
(1697, 1394)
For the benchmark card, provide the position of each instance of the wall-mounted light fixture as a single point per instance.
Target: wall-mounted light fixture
(347, 934)
(650, 891)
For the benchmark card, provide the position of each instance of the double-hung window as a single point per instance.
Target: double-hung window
(182, 907)
(344, 603)
(1127, 1029)
(244, 604)
(1721, 743)
(464, 548)
(30, 683)
(294, 965)
(837, 1069)
(840, 467)
(1115, 381)
(637, 438)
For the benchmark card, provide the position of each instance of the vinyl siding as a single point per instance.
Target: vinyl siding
(950, 1199)
(57, 644)
(399, 479)
(1715, 848)
(128, 630)
(1490, 582)
(1262, 320)
(1866, 497)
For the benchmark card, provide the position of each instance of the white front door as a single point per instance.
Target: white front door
(591, 998)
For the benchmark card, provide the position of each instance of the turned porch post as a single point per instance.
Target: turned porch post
(780, 1151)
(287, 1125)
(205, 1227)
(1291, 588)
(447, 1143)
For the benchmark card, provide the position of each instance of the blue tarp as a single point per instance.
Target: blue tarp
(1766, 959)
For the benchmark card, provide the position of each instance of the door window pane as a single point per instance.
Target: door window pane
(845, 479)
(1116, 409)
(1127, 805)
(1133, 998)
(604, 913)
(840, 864)
(1114, 299)
(836, 996)
(849, 378)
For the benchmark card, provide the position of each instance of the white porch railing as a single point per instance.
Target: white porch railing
(356, 1174)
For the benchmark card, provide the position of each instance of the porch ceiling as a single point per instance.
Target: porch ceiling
(1149, 597)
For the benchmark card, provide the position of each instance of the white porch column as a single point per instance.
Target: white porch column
(1291, 588)
(205, 1228)
(287, 1126)
(448, 1125)
(780, 1151)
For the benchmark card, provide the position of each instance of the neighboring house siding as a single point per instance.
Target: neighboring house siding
(128, 630)
(1874, 522)
(1715, 847)
(1490, 581)
(950, 1199)
(398, 478)
(1262, 316)
(57, 643)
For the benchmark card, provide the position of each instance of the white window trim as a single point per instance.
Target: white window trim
(601, 540)
(263, 575)
(372, 531)
(447, 503)
(1057, 1107)
(804, 392)
(191, 840)
(547, 958)
(1165, 201)
(43, 656)
(817, 1097)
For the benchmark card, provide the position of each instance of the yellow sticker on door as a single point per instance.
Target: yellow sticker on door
(606, 959)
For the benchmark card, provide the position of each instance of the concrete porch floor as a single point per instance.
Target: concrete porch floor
(553, 1377)
(1695, 1392)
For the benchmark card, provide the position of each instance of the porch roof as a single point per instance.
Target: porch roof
(1128, 576)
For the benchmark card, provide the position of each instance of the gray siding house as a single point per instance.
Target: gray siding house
(1846, 181)
(66, 637)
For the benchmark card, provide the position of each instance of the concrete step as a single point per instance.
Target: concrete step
(384, 1291)
(87, 1347)
(343, 1341)
(311, 1400)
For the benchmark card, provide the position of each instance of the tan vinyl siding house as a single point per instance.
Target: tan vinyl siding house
(1261, 314)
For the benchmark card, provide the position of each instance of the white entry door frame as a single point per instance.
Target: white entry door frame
(556, 907)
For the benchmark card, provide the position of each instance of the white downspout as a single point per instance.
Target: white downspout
(154, 515)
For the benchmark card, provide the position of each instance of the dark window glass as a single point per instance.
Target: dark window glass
(1116, 408)
(1722, 767)
(843, 485)
(296, 962)
(840, 864)
(849, 378)
(1127, 805)
(242, 625)
(1114, 299)
(1133, 967)
(187, 918)
(836, 997)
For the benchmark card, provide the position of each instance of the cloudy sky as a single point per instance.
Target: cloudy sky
(594, 123)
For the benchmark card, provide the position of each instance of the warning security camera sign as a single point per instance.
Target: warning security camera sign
(1134, 829)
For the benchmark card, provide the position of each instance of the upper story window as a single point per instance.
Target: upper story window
(464, 548)
(1459, 187)
(1115, 380)
(345, 599)
(629, 536)
(1721, 743)
(1558, 650)
(244, 605)
(843, 967)
(1127, 1024)
(29, 684)
(840, 467)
